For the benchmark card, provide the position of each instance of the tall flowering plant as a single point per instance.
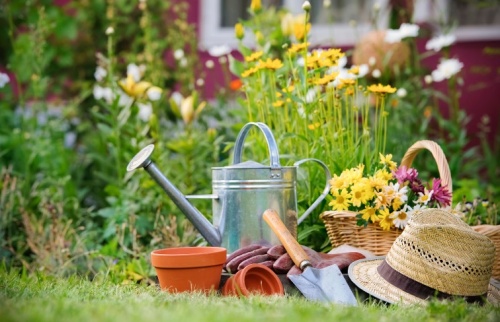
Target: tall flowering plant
(313, 100)
(387, 197)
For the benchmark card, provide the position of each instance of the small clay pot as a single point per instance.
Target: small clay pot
(253, 279)
(188, 269)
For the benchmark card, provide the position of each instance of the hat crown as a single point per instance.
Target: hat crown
(440, 251)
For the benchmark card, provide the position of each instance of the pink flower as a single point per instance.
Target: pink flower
(441, 193)
(405, 174)
(416, 186)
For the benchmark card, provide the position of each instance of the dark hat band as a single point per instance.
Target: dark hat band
(418, 289)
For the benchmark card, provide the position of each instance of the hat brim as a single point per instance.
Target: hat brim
(364, 274)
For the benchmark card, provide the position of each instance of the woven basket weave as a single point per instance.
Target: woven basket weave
(342, 228)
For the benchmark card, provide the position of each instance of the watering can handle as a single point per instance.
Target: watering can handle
(271, 143)
(325, 192)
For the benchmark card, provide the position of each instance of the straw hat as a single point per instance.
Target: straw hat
(437, 254)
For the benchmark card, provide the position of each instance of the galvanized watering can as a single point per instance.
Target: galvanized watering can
(241, 193)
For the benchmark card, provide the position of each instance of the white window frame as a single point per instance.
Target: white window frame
(340, 35)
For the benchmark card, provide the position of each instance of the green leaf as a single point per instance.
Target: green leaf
(235, 66)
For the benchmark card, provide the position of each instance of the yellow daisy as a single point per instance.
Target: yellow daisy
(341, 199)
(387, 161)
(369, 214)
(385, 219)
(254, 56)
(381, 89)
(298, 47)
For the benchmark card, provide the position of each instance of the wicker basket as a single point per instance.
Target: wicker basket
(342, 228)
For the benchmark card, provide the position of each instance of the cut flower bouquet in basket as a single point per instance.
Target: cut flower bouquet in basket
(370, 211)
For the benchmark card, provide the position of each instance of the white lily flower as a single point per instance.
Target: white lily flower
(178, 54)
(154, 93)
(177, 98)
(4, 79)
(363, 70)
(439, 42)
(134, 71)
(311, 95)
(405, 30)
(100, 73)
(145, 111)
(209, 64)
(218, 51)
(401, 92)
(104, 93)
(446, 69)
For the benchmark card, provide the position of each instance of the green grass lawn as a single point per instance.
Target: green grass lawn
(47, 298)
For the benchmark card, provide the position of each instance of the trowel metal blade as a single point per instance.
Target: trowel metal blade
(325, 285)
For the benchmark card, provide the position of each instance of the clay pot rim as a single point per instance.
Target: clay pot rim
(183, 257)
(236, 284)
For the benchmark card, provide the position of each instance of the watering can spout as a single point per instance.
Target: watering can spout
(142, 160)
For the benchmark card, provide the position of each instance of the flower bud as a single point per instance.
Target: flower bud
(239, 31)
(306, 6)
(110, 30)
(256, 6)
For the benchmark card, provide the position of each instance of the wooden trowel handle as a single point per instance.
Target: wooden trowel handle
(291, 245)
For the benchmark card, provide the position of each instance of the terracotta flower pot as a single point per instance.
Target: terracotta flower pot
(187, 269)
(254, 279)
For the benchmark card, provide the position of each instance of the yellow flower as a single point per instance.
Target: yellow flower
(249, 72)
(288, 89)
(256, 6)
(346, 82)
(314, 126)
(381, 89)
(133, 89)
(278, 103)
(187, 110)
(298, 47)
(397, 203)
(300, 29)
(354, 70)
(369, 214)
(270, 64)
(239, 31)
(254, 56)
(338, 182)
(386, 220)
(387, 160)
(360, 194)
(384, 175)
(384, 199)
(341, 201)
(325, 79)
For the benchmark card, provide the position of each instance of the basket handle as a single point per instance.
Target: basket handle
(437, 153)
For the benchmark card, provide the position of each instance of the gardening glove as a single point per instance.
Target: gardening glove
(322, 260)
(247, 255)
(274, 257)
